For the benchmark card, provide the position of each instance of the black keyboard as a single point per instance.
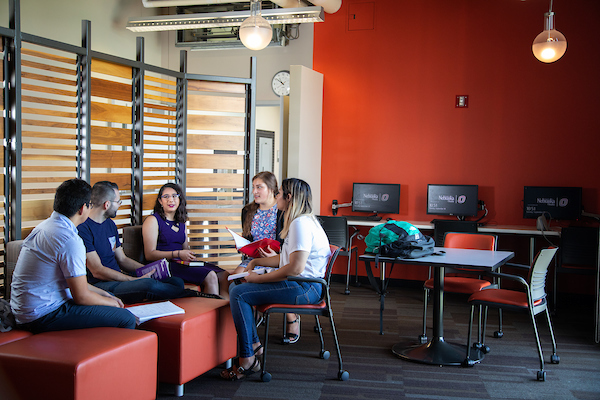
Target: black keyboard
(364, 217)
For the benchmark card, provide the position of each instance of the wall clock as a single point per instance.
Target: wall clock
(281, 83)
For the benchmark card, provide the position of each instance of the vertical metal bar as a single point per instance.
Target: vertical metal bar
(13, 115)
(137, 136)
(85, 98)
(181, 124)
(250, 156)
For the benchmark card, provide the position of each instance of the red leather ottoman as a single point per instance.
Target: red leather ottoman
(13, 335)
(96, 363)
(195, 342)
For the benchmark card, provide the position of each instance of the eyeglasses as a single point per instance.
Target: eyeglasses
(168, 196)
(118, 202)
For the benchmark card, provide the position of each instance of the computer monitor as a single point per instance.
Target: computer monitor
(457, 200)
(377, 198)
(562, 203)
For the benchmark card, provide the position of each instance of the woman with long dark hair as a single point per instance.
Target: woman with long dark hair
(165, 236)
(305, 252)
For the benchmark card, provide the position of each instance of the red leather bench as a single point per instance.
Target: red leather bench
(195, 342)
(96, 363)
(14, 335)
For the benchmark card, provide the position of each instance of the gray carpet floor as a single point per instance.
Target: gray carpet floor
(507, 372)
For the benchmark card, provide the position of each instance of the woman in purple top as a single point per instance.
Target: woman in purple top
(165, 236)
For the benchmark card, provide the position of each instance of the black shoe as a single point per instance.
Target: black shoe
(291, 338)
(195, 293)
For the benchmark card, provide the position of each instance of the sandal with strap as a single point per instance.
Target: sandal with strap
(231, 375)
(291, 338)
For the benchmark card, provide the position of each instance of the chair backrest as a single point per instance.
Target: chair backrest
(579, 246)
(475, 241)
(335, 250)
(336, 229)
(133, 243)
(13, 249)
(538, 272)
(441, 226)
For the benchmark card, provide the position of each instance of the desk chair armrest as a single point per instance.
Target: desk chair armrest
(522, 266)
(509, 276)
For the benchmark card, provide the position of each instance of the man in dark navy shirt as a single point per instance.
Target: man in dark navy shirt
(106, 259)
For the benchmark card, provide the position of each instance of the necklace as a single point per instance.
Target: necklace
(173, 225)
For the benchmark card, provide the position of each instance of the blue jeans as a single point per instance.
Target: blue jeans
(243, 296)
(139, 290)
(75, 316)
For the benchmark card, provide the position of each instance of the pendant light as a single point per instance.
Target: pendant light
(550, 45)
(255, 31)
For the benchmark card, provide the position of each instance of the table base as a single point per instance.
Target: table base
(437, 352)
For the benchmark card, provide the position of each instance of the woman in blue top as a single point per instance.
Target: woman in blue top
(165, 236)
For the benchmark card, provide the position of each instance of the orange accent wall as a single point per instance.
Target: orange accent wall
(389, 95)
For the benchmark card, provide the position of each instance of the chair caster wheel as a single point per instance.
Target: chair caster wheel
(498, 334)
(357, 284)
(554, 359)
(468, 363)
(265, 377)
(478, 346)
(343, 375)
(541, 376)
(346, 292)
(422, 339)
(324, 355)
(485, 349)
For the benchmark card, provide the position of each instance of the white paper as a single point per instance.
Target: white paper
(146, 312)
(241, 275)
(239, 241)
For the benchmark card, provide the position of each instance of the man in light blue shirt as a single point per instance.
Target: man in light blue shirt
(49, 288)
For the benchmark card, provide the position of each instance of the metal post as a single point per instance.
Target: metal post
(249, 155)
(181, 124)
(13, 122)
(137, 136)
(84, 101)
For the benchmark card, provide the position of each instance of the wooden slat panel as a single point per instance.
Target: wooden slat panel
(221, 87)
(216, 103)
(159, 98)
(160, 116)
(111, 113)
(47, 67)
(35, 122)
(50, 135)
(44, 111)
(45, 78)
(44, 100)
(45, 146)
(110, 136)
(215, 161)
(47, 157)
(48, 56)
(36, 209)
(215, 123)
(159, 107)
(215, 210)
(43, 89)
(160, 80)
(215, 180)
(108, 68)
(160, 125)
(148, 201)
(191, 202)
(44, 179)
(215, 218)
(110, 159)
(29, 168)
(122, 180)
(216, 142)
(111, 90)
(159, 89)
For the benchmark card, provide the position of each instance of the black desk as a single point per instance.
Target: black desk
(437, 351)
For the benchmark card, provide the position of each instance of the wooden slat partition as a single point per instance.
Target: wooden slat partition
(111, 131)
(160, 106)
(216, 139)
(2, 198)
(49, 129)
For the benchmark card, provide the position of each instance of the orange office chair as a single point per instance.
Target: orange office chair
(462, 284)
(336, 229)
(322, 308)
(534, 300)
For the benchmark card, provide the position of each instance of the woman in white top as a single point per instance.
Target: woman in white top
(305, 252)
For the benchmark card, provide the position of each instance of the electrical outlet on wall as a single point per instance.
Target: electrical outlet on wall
(462, 101)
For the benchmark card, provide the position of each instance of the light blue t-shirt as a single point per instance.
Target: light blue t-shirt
(51, 253)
